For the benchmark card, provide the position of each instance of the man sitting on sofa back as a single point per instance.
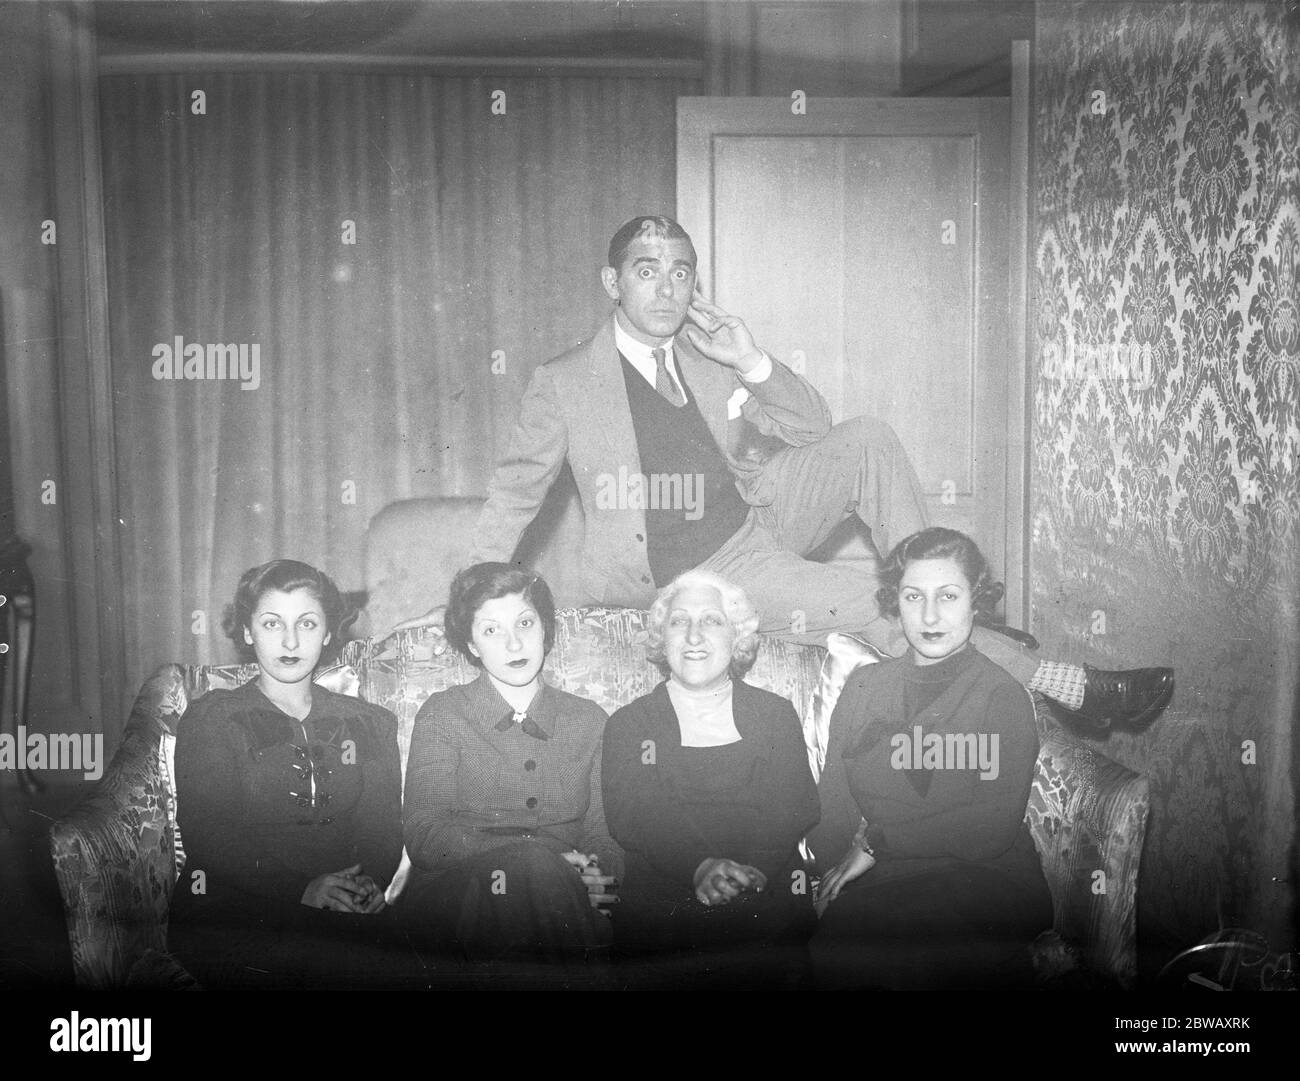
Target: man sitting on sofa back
(692, 447)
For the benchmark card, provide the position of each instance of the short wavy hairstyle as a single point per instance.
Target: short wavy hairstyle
(743, 616)
(485, 582)
(652, 225)
(286, 575)
(940, 543)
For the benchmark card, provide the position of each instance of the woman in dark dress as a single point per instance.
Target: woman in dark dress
(708, 790)
(932, 878)
(511, 860)
(289, 803)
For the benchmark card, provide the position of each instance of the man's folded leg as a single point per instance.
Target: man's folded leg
(859, 468)
(797, 600)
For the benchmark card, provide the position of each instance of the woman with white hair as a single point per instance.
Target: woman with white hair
(707, 789)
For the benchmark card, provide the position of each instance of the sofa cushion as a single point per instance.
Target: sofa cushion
(844, 653)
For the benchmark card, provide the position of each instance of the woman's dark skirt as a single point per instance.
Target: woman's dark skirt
(756, 940)
(964, 926)
(519, 913)
(277, 947)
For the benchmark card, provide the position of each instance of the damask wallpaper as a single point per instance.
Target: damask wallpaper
(1166, 484)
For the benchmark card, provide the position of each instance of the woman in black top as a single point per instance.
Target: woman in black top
(932, 878)
(708, 790)
(289, 803)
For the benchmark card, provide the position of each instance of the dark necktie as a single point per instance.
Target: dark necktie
(664, 383)
(525, 722)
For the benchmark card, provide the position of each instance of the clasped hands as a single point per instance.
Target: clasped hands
(345, 891)
(598, 884)
(718, 881)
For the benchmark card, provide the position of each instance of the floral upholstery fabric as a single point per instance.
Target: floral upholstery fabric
(114, 855)
(1088, 818)
(599, 653)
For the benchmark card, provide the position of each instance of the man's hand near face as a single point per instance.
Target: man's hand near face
(721, 337)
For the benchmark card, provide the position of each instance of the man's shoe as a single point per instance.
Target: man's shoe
(1130, 699)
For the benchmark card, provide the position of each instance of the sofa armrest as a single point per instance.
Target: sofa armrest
(1088, 815)
(114, 853)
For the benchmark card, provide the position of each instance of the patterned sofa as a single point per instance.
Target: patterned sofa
(117, 858)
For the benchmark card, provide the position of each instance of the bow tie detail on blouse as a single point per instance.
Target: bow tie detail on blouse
(516, 717)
